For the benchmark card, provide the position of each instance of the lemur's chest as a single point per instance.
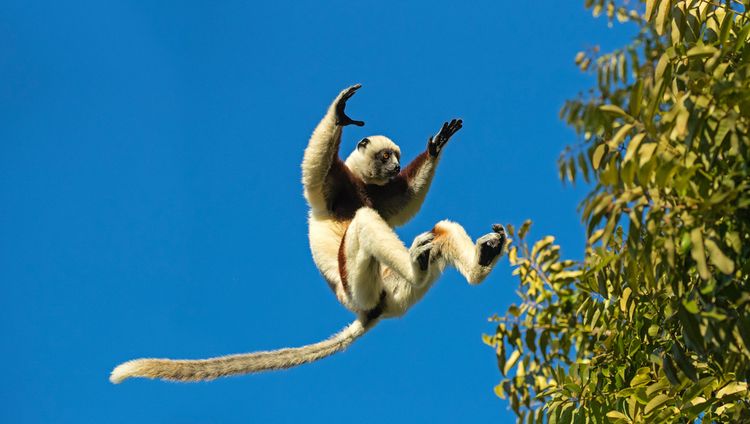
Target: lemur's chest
(347, 193)
(345, 202)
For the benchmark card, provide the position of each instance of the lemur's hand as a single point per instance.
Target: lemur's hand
(436, 143)
(341, 118)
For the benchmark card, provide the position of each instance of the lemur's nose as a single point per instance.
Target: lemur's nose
(397, 168)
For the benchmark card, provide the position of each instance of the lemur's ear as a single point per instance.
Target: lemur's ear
(362, 145)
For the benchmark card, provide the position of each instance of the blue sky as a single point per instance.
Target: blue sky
(150, 198)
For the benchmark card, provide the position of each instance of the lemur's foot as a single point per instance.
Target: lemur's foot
(421, 248)
(491, 245)
(341, 118)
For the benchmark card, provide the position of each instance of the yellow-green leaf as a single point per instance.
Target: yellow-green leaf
(661, 16)
(633, 146)
(613, 109)
(732, 388)
(698, 253)
(624, 299)
(617, 415)
(599, 152)
(701, 51)
(650, 6)
(511, 362)
(619, 136)
(718, 258)
(656, 402)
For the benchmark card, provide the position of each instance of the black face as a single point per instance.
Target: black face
(385, 164)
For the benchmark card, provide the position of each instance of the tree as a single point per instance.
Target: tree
(653, 325)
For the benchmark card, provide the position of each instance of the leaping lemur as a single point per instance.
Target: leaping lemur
(354, 205)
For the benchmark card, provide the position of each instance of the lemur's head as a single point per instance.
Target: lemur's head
(375, 160)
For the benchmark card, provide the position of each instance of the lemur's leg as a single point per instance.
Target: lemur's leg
(370, 242)
(473, 260)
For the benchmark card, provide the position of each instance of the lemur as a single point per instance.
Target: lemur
(354, 206)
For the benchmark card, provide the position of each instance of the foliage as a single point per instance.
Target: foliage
(653, 325)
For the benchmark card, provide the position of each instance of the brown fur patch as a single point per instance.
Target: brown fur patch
(347, 192)
(439, 232)
(414, 165)
(342, 264)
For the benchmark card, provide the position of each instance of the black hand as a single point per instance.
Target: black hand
(436, 144)
(341, 117)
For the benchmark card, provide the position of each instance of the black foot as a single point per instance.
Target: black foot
(421, 249)
(341, 118)
(491, 245)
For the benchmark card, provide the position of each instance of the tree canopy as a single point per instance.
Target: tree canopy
(653, 324)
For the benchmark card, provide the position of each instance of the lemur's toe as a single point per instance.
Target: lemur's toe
(498, 228)
(423, 259)
(423, 239)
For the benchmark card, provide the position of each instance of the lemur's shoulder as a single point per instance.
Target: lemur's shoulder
(346, 192)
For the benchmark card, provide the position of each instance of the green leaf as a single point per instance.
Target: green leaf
(701, 51)
(636, 96)
(662, 384)
(650, 7)
(614, 110)
(685, 364)
(619, 136)
(726, 25)
(732, 388)
(669, 370)
(718, 258)
(657, 402)
(698, 253)
(524, 228)
(624, 299)
(511, 362)
(662, 15)
(599, 152)
(617, 415)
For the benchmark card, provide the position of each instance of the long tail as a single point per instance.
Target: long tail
(209, 369)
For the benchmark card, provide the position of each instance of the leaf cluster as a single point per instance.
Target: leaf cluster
(653, 325)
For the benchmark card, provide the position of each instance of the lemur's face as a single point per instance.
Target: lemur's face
(378, 160)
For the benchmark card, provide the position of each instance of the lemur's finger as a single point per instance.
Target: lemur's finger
(349, 92)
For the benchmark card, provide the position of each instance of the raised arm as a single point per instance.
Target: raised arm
(399, 200)
(323, 148)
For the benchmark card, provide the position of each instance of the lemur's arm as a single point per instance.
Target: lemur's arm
(322, 150)
(400, 199)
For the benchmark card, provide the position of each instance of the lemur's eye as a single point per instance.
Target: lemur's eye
(386, 155)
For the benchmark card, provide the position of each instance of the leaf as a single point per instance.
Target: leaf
(684, 362)
(656, 402)
(636, 95)
(624, 299)
(524, 228)
(511, 361)
(669, 370)
(732, 388)
(599, 152)
(662, 15)
(661, 67)
(701, 51)
(698, 253)
(614, 110)
(617, 415)
(718, 258)
(619, 136)
(726, 25)
(650, 7)
(662, 384)
(635, 141)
